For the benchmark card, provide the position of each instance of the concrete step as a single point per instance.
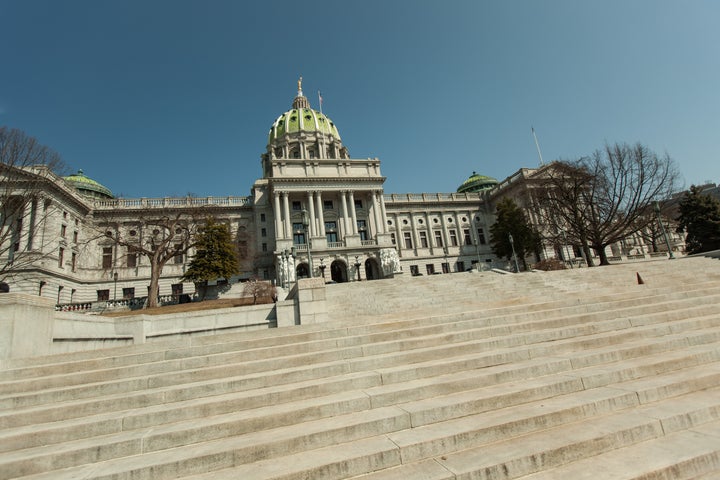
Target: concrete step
(201, 357)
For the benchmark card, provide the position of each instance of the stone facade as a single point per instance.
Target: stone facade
(316, 212)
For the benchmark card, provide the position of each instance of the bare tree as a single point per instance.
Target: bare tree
(25, 167)
(158, 236)
(601, 199)
(259, 289)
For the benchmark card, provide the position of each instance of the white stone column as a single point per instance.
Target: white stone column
(278, 216)
(311, 212)
(286, 215)
(376, 214)
(383, 213)
(344, 215)
(353, 213)
(320, 214)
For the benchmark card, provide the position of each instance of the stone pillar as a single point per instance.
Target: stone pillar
(344, 215)
(353, 213)
(286, 216)
(321, 216)
(311, 212)
(376, 214)
(278, 216)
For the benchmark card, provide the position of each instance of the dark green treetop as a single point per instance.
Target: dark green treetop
(215, 255)
(700, 218)
(511, 220)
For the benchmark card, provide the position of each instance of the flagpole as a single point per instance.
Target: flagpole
(537, 145)
(320, 101)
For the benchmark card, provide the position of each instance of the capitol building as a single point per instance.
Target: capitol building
(316, 211)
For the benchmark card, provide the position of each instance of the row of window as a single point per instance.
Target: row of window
(131, 257)
(129, 292)
(452, 233)
(327, 205)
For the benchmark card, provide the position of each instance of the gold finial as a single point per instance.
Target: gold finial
(300, 85)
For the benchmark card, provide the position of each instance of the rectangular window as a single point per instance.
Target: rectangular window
(331, 232)
(264, 247)
(408, 240)
(392, 239)
(61, 257)
(468, 239)
(460, 266)
(75, 237)
(358, 203)
(296, 206)
(179, 256)
(446, 267)
(263, 232)
(73, 261)
(362, 229)
(327, 204)
(423, 239)
(481, 236)
(414, 271)
(176, 289)
(128, 293)
(107, 257)
(63, 230)
(298, 233)
(103, 295)
(430, 268)
(453, 238)
(438, 238)
(132, 256)
(262, 217)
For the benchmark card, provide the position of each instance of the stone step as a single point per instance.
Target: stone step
(689, 454)
(607, 421)
(432, 415)
(518, 348)
(202, 358)
(559, 446)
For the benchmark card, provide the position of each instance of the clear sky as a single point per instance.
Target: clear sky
(156, 98)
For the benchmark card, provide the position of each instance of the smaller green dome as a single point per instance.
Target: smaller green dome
(87, 186)
(476, 183)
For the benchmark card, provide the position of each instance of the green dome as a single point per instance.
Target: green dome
(302, 119)
(477, 183)
(87, 186)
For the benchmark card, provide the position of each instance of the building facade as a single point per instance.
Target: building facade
(316, 211)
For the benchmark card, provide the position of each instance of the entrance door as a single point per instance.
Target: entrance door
(338, 271)
(302, 271)
(372, 270)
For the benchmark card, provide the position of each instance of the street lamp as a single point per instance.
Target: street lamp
(306, 225)
(322, 268)
(357, 267)
(662, 229)
(512, 245)
(115, 276)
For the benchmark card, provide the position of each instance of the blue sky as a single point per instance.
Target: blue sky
(156, 98)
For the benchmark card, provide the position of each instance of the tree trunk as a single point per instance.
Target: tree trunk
(588, 253)
(154, 290)
(601, 253)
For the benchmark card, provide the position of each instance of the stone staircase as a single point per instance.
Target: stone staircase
(549, 375)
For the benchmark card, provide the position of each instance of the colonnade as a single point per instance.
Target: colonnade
(313, 201)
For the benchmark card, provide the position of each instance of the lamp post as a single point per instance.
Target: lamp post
(306, 225)
(115, 276)
(512, 246)
(662, 229)
(322, 268)
(357, 267)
